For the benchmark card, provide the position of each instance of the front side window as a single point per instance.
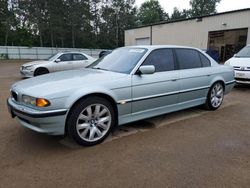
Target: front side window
(122, 60)
(77, 57)
(66, 57)
(188, 58)
(162, 59)
(245, 52)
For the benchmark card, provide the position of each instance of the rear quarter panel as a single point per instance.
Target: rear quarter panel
(223, 73)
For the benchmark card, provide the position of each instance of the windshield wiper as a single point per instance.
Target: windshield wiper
(99, 68)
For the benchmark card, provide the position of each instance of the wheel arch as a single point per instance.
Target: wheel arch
(42, 67)
(96, 94)
(218, 79)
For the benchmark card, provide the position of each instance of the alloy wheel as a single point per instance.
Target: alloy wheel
(93, 122)
(217, 95)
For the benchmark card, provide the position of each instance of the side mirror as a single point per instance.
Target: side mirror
(235, 55)
(147, 69)
(57, 60)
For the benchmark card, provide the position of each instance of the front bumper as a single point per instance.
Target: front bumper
(50, 122)
(27, 73)
(242, 77)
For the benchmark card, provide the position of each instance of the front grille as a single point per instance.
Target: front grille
(241, 68)
(242, 79)
(14, 95)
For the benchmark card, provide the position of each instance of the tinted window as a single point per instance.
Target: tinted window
(205, 61)
(188, 58)
(79, 57)
(162, 59)
(66, 57)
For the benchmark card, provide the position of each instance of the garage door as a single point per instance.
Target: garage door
(227, 42)
(142, 41)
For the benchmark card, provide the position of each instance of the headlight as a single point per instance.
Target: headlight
(28, 67)
(39, 102)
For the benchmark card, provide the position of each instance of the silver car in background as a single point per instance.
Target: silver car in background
(57, 62)
(130, 84)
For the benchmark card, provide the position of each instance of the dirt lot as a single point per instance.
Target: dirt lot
(191, 148)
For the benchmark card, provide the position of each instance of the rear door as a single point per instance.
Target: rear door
(195, 74)
(79, 60)
(65, 63)
(154, 92)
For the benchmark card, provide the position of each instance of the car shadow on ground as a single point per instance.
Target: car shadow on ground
(31, 139)
(242, 87)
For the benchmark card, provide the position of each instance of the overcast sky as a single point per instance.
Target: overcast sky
(225, 5)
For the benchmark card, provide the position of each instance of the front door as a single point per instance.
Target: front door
(153, 93)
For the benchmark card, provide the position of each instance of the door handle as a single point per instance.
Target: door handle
(174, 80)
(208, 74)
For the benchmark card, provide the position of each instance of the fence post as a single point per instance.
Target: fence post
(7, 52)
(19, 53)
(36, 53)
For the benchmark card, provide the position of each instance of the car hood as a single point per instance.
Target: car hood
(35, 63)
(240, 62)
(62, 84)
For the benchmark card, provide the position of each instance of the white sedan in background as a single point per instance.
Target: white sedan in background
(241, 64)
(57, 62)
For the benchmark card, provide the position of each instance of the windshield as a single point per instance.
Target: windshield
(121, 60)
(245, 52)
(52, 57)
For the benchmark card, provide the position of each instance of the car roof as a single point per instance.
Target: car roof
(62, 52)
(153, 47)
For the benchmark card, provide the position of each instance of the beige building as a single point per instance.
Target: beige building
(225, 33)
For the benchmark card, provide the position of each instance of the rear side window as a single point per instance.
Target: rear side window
(162, 59)
(79, 57)
(66, 57)
(205, 61)
(188, 58)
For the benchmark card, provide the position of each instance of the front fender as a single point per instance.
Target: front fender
(87, 91)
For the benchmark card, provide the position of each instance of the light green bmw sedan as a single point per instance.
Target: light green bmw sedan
(130, 84)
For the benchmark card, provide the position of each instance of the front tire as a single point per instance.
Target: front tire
(215, 96)
(91, 121)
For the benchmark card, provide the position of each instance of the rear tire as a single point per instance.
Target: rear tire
(41, 71)
(91, 121)
(215, 96)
